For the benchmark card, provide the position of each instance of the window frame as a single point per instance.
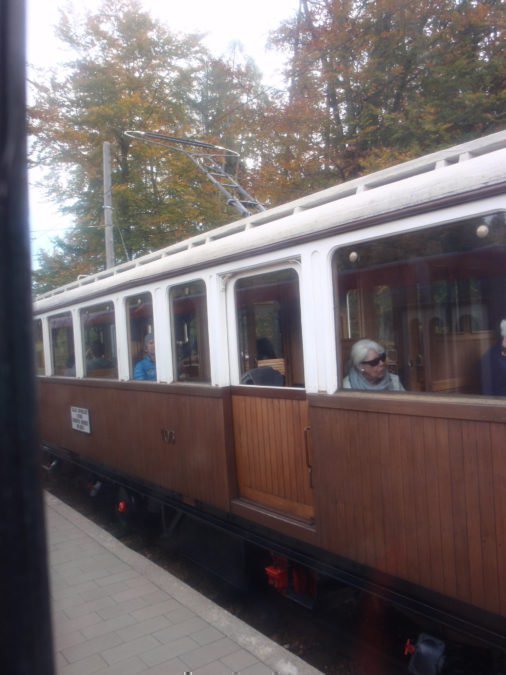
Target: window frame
(126, 309)
(39, 353)
(233, 326)
(111, 372)
(398, 229)
(204, 336)
(72, 342)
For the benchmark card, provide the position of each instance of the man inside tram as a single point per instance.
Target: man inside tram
(493, 366)
(95, 358)
(368, 370)
(145, 369)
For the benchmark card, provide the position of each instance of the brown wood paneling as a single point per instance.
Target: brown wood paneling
(270, 453)
(499, 491)
(472, 492)
(128, 425)
(459, 509)
(478, 408)
(420, 537)
(488, 523)
(445, 481)
(417, 496)
(408, 479)
(433, 488)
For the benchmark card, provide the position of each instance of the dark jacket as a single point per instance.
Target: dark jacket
(493, 372)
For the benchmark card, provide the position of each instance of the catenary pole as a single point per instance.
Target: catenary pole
(109, 237)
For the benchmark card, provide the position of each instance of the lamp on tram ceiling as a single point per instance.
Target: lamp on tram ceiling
(482, 231)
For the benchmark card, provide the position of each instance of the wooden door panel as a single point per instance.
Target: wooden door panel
(270, 453)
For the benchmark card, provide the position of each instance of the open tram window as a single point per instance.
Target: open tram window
(190, 346)
(61, 333)
(140, 324)
(40, 366)
(99, 341)
(433, 299)
(269, 326)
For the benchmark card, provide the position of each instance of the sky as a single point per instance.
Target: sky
(223, 21)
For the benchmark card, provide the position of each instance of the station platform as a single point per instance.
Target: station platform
(117, 613)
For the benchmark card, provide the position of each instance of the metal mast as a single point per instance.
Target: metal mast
(214, 161)
(109, 233)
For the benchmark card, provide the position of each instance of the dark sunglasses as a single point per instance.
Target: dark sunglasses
(374, 362)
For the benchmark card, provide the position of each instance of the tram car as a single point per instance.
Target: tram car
(251, 422)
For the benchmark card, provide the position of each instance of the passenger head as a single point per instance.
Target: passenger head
(149, 344)
(502, 326)
(359, 351)
(265, 350)
(369, 358)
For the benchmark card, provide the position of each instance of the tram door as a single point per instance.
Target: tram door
(270, 417)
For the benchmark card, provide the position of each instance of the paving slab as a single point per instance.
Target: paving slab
(115, 611)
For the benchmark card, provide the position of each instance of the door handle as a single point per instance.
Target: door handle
(308, 446)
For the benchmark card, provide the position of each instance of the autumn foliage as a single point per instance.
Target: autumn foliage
(368, 84)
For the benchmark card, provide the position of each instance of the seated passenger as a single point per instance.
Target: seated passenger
(493, 367)
(267, 361)
(145, 369)
(70, 368)
(264, 376)
(368, 371)
(95, 358)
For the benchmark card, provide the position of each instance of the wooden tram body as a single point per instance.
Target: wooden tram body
(401, 492)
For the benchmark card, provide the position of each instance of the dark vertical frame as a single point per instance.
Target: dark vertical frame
(25, 628)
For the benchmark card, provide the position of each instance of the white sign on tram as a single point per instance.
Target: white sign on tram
(80, 419)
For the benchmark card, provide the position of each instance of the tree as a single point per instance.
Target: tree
(233, 106)
(130, 73)
(372, 83)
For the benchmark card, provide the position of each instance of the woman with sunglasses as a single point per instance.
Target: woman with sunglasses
(368, 370)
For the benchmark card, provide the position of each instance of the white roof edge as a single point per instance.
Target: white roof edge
(424, 164)
(388, 201)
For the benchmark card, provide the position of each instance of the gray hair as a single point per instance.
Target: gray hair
(360, 349)
(503, 327)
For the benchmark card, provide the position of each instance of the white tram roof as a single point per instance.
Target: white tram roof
(453, 171)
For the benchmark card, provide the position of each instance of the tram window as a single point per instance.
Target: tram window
(62, 344)
(269, 325)
(190, 341)
(140, 324)
(99, 341)
(433, 299)
(40, 367)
